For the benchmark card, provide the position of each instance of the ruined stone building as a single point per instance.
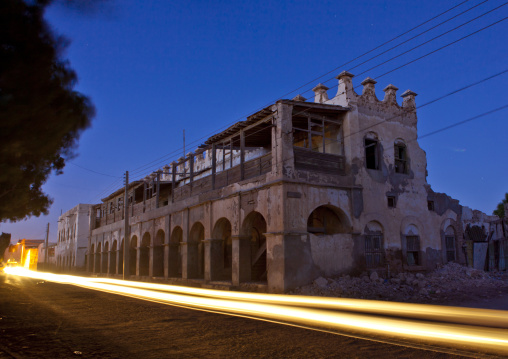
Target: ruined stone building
(298, 190)
(72, 238)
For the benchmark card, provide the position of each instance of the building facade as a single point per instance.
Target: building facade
(72, 240)
(299, 190)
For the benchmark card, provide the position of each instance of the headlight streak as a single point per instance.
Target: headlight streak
(321, 316)
(471, 316)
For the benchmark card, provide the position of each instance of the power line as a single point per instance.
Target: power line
(463, 122)
(379, 46)
(143, 167)
(414, 60)
(89, 170)
(165, 157)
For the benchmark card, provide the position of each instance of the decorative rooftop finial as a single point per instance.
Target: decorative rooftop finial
(345, 92)
(390, 94)
(369, 89)
(344, 74)
(409, 99)
(320, 94)
(299, 98)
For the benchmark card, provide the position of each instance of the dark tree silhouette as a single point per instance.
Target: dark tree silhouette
(41, 116)
(499, 211)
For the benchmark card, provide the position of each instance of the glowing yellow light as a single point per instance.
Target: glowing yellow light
(371, 318)
(27, 260)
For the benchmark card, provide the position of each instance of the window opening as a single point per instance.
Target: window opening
(400, 158)
(430, 205)
(317, 134)
(391, 201)
(373, 251)
(450, 248)
(413, 250)
(371, 154)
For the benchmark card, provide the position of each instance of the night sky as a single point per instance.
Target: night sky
(155, 68)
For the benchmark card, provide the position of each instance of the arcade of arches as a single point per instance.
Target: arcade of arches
(197, 258)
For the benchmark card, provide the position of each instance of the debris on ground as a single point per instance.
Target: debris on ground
(452, 283)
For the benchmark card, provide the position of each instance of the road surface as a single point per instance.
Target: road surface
(49, 320)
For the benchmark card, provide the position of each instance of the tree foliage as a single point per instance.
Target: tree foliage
(41, 116)
(499, 211)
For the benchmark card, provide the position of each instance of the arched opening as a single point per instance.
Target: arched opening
(374, 248)
(327, 220)
(112, 258)
(195, 252)
(144, 255)
(222, 256)
(158, 254)
(175, 257)
(132, 255)
(450, 244)
(105, 255)
(412, 245)
(401, 160)
(254, 227)
(97, 267)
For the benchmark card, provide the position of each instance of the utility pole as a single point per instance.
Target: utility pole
(46, 254)
(126, 240)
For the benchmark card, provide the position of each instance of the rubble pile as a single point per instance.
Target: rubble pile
(450, 283)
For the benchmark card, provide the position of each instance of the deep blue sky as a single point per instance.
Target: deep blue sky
(154, 68)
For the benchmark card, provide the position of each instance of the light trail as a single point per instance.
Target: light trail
(471, 316)
(318, 313)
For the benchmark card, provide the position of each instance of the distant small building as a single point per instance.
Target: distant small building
(72, 242)
(51, 260)
(24, 253)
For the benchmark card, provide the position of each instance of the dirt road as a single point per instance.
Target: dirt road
(48, 320)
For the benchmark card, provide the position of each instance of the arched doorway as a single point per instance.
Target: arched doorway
(325, 220)
(133, 255)
(112, 258)
(158, 254)
(254, 227)
(195, 252)
(144, 255)
(175, 256)
(222, 257)
(450, 244)
(374, 247)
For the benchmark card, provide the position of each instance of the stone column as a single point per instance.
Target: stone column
(138, 260)
(282, 143)
(241, 266)
(289, 261)
(150, 259)
(117, 257)
(166, 260)
(108, 261)
(214, 259)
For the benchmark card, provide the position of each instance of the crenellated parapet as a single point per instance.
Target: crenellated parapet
(368, 103)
